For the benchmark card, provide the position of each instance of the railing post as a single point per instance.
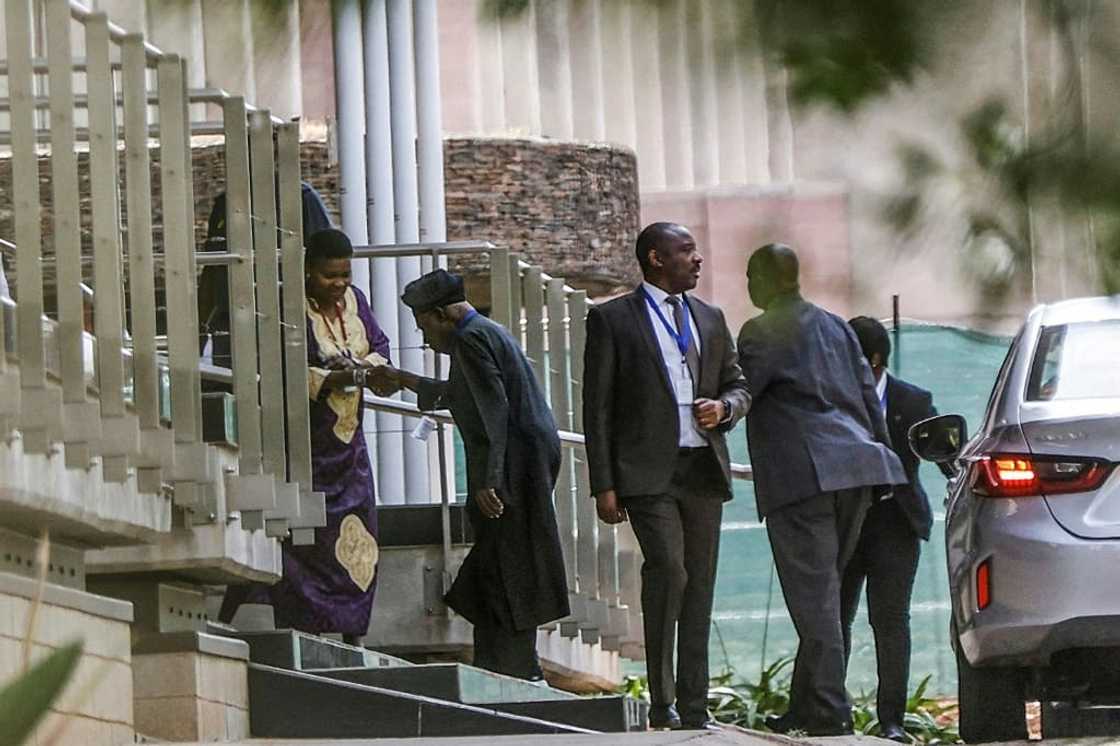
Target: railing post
(593, 538)
(561, 409)
(516, 325)
(192, 472)
(40, 417)
(500, 291)
(81, 417)
(268, 321)
(250, 491)
(312, 509)
(120, 429)
(157, 451)
(532, 292)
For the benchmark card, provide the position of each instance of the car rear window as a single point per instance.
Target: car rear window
(1076, 361)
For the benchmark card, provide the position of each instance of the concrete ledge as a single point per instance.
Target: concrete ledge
(69, 598)
(192, 642)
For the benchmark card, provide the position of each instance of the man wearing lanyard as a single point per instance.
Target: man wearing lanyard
(889, 541)
(661, 387)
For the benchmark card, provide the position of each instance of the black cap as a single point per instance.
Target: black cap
(436, 289)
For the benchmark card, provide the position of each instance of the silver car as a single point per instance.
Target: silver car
(1032, 527)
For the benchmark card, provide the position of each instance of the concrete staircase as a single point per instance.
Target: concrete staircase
(302, 686)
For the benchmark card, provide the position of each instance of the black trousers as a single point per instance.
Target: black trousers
(506, 651)
(679, 536)
(887, 557)
(812, 541)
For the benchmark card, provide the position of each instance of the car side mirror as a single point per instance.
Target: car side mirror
(939, 439)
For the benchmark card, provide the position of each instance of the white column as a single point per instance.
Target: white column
(617, 70)
(646, 68)
(429, 144)
(675, 101)
(402, 91)
(491, 77)
(519, 73)
(433, 217)
(554, 69)
(585, 39)
(749, 62)
(460, 35)
(700, 71)
(779, 124)
(276, 57)
(729, 62)
(348, 90)
(228, 41)
(176, 26)
(386, 428)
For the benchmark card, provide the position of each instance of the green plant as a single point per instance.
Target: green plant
(25, 701)
(747, 704)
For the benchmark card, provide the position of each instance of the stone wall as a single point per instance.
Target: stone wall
(96, 705)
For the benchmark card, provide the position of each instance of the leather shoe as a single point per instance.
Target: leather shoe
(843, 728)
(893, 732)
(706, 724)
(783, 723)
(663, 716)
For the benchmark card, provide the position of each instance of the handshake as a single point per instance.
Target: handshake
(377, 375)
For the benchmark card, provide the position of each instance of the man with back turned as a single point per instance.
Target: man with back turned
(819, 449)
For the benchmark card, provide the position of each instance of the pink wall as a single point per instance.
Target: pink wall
(730, 224)
(316, 59)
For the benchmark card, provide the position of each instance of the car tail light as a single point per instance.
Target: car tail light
(1011, 475)
(984, 584)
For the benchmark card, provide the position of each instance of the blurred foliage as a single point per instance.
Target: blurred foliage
(27, 698)
(747, 704)
(845, 54)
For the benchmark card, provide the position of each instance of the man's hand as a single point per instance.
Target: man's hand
(489, 503)
(609, 508)
(708, 412)
(383, 380)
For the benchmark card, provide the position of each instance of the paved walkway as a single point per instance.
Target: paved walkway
(724, 737)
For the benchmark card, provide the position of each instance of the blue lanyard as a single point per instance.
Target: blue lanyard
(683, 338)
(462, 323)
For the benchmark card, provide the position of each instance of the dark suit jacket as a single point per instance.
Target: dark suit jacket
(630, 415)
(815, 423)
(512, 446)
(908, 404)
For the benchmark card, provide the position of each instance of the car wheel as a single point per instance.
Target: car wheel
(992, 702)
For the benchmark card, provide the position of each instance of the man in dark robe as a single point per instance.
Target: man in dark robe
(513, 579)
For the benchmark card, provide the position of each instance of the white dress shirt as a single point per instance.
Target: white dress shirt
(881, 392)
(675, 364)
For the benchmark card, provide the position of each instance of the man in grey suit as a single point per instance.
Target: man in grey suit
(661, 387)
(819, 447)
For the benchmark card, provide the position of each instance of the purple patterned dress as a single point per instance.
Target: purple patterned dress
(328, 586)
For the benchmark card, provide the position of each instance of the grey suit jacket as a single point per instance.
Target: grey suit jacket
(815, 423)
(630, 415)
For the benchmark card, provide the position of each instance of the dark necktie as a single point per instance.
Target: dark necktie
(690, 356)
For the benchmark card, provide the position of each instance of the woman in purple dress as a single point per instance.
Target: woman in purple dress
(328, 586)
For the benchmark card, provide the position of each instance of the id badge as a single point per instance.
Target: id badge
(684, 387)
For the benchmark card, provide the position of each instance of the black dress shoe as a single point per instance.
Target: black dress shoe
(783, 723)
(663, 716)
(707, 724)
(893, 732)
(843, 728)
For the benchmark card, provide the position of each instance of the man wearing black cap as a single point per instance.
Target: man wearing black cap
(513, 579)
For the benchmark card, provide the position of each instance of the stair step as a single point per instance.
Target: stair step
(296, 704)
(454, 682)
(299, 651)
